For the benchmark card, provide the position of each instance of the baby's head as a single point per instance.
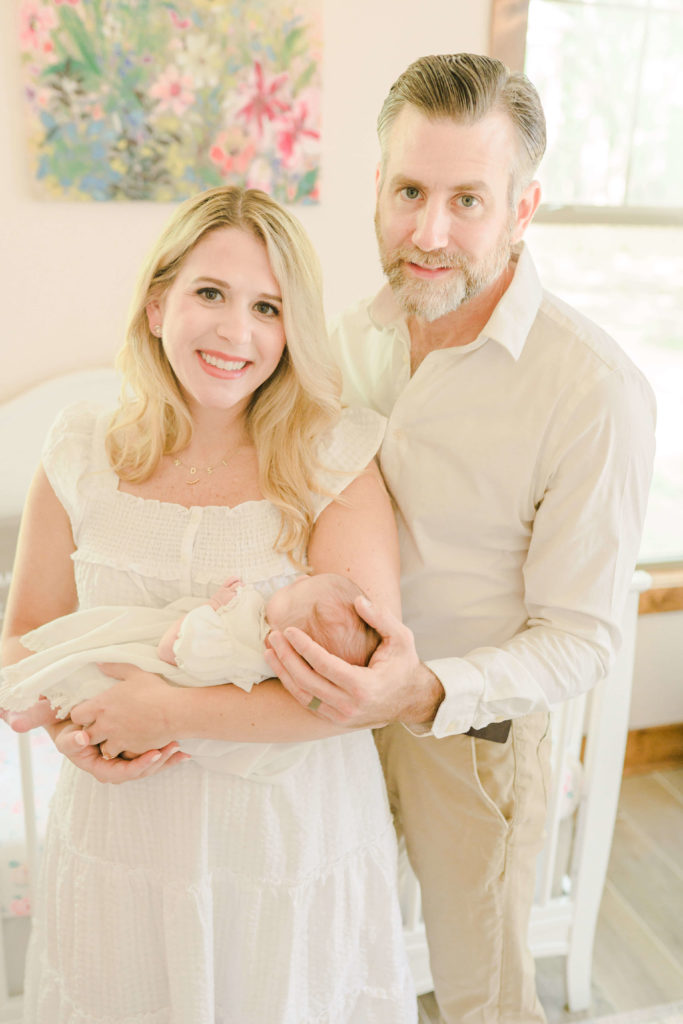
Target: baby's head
(322, 606)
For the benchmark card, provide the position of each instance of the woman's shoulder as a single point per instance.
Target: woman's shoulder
(76, 425)
(346, 449)
(353, 440)
(74, 448)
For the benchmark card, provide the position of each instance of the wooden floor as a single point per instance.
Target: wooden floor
(638, 955)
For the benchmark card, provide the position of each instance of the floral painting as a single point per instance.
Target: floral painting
(157, 100)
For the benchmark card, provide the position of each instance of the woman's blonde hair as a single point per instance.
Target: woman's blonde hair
(288, 412)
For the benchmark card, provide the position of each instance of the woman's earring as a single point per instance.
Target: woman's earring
(157, 330)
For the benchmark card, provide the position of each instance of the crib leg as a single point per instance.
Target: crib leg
(604, 762)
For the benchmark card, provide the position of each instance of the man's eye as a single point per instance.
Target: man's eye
(209, 293)
(469, 201)
(410, 192)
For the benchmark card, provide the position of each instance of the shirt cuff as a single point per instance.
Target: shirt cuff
(463, 685)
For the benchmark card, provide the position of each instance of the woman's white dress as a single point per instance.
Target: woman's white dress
(193, 897)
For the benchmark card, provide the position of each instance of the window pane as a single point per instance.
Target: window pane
(584, 61)
(656, 177)
(630, 281)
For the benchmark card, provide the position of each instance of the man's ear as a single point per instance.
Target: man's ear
(526, 208)
(378, 175)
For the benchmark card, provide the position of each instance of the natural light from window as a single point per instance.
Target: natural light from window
(608, 72)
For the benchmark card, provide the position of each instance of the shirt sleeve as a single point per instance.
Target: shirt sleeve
(580, 563)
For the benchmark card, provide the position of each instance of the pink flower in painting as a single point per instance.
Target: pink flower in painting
(20, 907)
(296, 129)
(263, 101)
(35, 24)
(173, 90)
(72, 3)
(178, 21)
(229, 153)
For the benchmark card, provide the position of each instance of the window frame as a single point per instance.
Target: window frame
(507, 42)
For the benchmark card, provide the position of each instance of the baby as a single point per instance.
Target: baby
(220, 641)
(232, 629)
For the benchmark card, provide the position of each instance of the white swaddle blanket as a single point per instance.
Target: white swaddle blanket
(63, 669)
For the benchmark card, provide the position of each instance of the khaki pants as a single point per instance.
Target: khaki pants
(472, 813)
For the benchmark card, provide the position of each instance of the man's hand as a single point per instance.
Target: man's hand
(71, 741)
(131, 715)
(395, 687)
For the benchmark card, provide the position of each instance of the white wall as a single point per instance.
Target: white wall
(67, 269)
(657, 697)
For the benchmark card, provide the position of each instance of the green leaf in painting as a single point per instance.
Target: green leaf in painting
(76, 29)
(293, 44)
(304, 78)
(306, 184)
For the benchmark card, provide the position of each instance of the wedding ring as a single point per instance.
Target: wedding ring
(314, 703)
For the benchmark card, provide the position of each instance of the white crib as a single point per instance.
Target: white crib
(571, 867)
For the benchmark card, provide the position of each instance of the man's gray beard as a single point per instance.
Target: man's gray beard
(430, 300)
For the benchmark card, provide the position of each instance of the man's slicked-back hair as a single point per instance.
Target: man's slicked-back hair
(465, 87)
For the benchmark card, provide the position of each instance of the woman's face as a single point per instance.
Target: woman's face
(221, 321)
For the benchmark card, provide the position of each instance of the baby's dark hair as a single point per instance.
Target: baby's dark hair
(335, 624)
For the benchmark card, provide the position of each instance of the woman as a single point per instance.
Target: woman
(183, 896)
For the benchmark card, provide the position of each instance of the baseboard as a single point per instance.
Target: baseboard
(654, 749)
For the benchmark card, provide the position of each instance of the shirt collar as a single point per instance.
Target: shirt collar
(510, 322)
(513, 317)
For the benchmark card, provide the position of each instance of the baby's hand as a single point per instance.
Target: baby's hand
(38, 714)
(165, 648)
(225, 593)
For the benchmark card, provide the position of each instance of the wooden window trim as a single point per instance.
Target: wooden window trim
(508, 32)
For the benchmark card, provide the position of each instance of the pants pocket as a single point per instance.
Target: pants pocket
(493, 766)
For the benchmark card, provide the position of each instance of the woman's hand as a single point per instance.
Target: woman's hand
(131, 715)
(69, 740)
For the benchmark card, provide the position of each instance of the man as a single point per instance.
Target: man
(518, 451)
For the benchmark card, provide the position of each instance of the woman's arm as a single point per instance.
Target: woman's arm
(43, 588)
(354, 537)
(43, 585)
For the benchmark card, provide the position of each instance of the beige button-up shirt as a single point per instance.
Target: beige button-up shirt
(520, 467)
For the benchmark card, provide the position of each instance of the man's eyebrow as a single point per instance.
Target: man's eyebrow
(405, 181)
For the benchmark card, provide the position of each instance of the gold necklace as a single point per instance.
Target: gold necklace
(194, 471)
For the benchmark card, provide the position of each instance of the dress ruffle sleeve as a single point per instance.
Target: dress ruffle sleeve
(72, 458)
(347, 449)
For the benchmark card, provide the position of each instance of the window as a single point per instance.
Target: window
(609, 75)
(608, 237)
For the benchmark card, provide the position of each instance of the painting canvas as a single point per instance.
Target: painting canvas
(156, 100)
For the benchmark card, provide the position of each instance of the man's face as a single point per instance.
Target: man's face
(443, 220)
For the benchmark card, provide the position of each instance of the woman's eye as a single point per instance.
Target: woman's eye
(266, 309)
(209, 293)
(410, 192)
(469, 201)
